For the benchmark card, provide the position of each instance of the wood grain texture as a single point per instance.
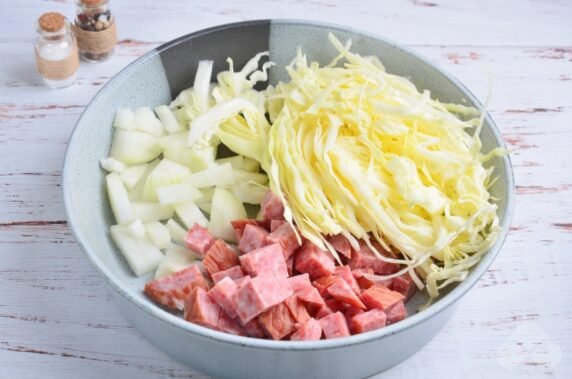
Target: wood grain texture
(57, 319)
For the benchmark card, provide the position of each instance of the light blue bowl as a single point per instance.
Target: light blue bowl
(154, 79)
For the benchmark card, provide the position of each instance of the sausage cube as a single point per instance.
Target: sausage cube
(272, 207)
(220, 257)
(254, 329)
(345, 273)
(286, 237)
(304, 290)
(370, 320)
(323, 311)
(199, 240)
(363, 282)
(297, 309)
(334, 326)
(380, 297)
(223, 293)
(366, 258)
(277, 321)
(229, 325)
(323, 283)
(239, 225)
(351, 313)
(395, 313)
(172, 290)
(341, 290)
(257, 295)
(235, 272)
(309, 331)
(265, 260)
(341, 245)
(404, 285)
(314, 261)
(337, 305)
(201, 309)
(253, 237)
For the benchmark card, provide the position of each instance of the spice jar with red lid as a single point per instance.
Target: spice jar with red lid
(95, 30)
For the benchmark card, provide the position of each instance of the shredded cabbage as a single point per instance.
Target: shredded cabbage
(352, 149)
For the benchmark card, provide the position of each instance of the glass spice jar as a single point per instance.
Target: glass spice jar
(56, 51)
(95, 30)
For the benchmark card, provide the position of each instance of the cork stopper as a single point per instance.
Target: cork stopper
(92, 3)
(51, 21)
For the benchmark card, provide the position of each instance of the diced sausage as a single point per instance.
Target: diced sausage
(351, 313)
(366, 258)
(275, 224)
(345, 273)
(380, 297)
(220, 257)
(235, 272)
(172, 290)
(299, 282)
(199, 240)
(297, 309)
(229, 325)
(239, 225)
(223, 293)
(254, 237)
(265, 260)
(303, 288)
(322, 284)
(286, 237)
(314, 261)
(341, 290)
(404, 285)
(323, 311)
(395, 313)
(201, 309)
(241, 281)
(309, 331)
(341, 245)
(337, 305)
(363, 282)
(334, 326)
(310, 296)
(271, 207)
(370, 320)
(254, 329)
(257, 295)
(277, 321)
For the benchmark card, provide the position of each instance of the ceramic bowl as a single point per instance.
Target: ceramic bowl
(156, 78)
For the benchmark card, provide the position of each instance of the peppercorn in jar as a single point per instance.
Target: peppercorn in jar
(95, 30)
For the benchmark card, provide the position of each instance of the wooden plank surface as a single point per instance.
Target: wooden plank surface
(56, 317)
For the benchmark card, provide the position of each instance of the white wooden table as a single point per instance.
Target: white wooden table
(56, 317)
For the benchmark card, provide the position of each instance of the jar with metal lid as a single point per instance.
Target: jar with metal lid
(95, 30)
(56, 51)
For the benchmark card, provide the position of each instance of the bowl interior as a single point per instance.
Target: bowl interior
(162, 73)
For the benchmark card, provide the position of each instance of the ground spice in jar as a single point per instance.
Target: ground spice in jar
(95, 30)
(56, 51)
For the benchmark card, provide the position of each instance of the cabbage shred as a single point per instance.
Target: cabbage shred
(355, 150)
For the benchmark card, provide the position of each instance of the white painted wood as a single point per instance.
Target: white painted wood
(56, 318)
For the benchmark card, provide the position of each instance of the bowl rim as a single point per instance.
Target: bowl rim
(189, 328)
